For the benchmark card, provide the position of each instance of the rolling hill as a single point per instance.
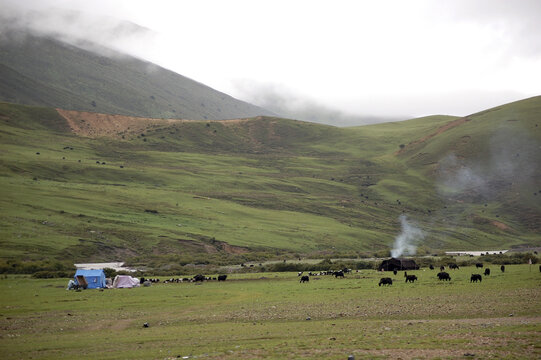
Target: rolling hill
(37, 70)
(163, 192)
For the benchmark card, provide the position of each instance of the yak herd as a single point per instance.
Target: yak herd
(194, 279)
(442, 276)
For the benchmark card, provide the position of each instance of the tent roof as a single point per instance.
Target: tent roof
(125, 281)
(89, 272)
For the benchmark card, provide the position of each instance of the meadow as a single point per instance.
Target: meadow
(273, 316)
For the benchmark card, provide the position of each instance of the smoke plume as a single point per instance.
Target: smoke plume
(406, 242)
(512, 161)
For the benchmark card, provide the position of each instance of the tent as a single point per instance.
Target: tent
(398, 264)
(94, 278)
(125, 281)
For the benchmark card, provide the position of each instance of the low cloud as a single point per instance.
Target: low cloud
(88, 31)
(286, 103)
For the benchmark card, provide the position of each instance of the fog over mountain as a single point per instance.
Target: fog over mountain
(347, 64)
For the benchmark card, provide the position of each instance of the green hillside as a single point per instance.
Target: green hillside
(46, 72)
(176, 191)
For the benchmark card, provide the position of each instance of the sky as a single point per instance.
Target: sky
(342, 62)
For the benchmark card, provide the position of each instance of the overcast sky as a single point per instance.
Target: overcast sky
(354, 59)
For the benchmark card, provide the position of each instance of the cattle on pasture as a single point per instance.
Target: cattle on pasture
(487, 271)
(304, 278)
(444, 276)
(476, 277)
(385, 281)
(222, 277)
(411, 278)
(198, 277)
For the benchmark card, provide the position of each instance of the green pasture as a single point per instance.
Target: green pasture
(273, 316)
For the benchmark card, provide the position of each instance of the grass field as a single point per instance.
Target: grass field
(273, 316)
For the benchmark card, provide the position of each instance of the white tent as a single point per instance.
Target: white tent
(125, 281)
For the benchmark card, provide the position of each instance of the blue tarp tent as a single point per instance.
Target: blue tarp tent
(94, 278)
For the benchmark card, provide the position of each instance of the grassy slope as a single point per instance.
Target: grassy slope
(45, 72)
(266, 184)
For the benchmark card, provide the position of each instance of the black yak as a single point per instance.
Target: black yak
(385, 281)
(304, 278)
(475, 277)
(198, 277)
(411, 278)
(487, 271)
(444, 276)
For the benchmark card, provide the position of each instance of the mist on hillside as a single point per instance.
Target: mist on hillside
(514, 160)
(287, 103)
(87, 31)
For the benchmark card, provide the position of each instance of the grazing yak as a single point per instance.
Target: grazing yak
(487, 271)
(304, 278)
(411, 278)
(385, 281)
(444, 276)
(198, 277)
(502, 268)
(338, 274)
(479, 265)
(453, 266)
(475, 277)
(431, 267)
(222, 277)
(442, 268)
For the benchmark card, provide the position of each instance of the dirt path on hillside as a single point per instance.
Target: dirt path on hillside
(439, 131)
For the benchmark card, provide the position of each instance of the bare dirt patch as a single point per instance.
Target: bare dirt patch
(96, 125)
(500, 225)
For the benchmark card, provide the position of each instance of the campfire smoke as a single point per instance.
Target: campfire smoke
(406, 242)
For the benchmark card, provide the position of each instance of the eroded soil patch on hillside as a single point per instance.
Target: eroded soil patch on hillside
(96, 125)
